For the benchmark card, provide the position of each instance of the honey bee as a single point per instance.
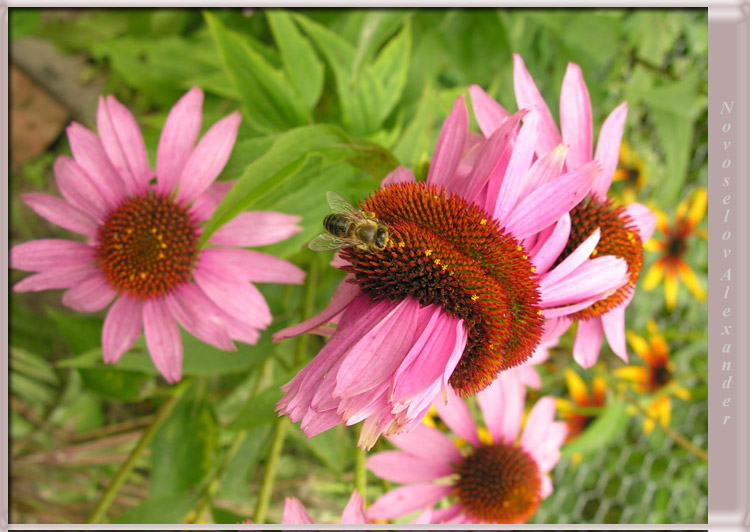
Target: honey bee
(347, 226)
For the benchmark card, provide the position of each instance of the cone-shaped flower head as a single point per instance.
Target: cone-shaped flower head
(489, 475)
(141, 246)
(461, 290)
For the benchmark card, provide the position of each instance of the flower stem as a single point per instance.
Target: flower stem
(308, 303)
(148, 434)
(266, 486)
(360, 472)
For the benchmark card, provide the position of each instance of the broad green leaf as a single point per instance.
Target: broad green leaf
(258, 411)
(391, 68)
(371, 30)
(361, 96)
(678, 98)
(301, 64)
(31, 390)
(116, 384)
(242, 468)
(610, 425)
(269, 102)
(159, 67)
(245, 152)
(420, 135)
(184, 447)
(675, 134)
(81, 333)
(160, 510)
(285, 158)
(652, 33)
(333, 447)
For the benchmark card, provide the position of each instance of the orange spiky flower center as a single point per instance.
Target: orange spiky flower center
(147, 246)
(444, 250)
(499, 484)
(619, 237)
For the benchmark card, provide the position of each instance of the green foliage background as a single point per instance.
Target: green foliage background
(332, 100)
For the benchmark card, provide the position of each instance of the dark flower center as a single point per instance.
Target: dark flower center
(444, 250)
(619, 237)
(660, 376)
(147, 246)
(676, 246)
(499, 484)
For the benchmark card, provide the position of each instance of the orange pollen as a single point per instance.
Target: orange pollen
(147, 246)
(475, 271)
(619, 237)
(499, 484)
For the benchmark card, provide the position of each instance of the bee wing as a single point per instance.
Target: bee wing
(325, 242)
(339, 204)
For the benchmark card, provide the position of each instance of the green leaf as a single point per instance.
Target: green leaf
(610, 424)
(32, 365)
(391, 68)
(301, 64)
(160, 510)
(361, 95)
(269, 102)
(183, 449)
(421, 134)
(285, 158)
(114, 384)
(333, 448)
(81, 333)
(675, 133)
(236, 480)
(371, 30)
(258, 411)
(23, 22)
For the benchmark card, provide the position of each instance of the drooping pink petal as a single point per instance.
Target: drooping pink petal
(444, 515)
(344, 295)
(574, 260)
(238, 330)
(78, 189)
(178, 139)
(61, 213)
(429, 356)
(613, 323)
(450, 145)
(199, 316)
(46, 254)
(405, 468)
(354, 512)
(256, 228)
(123, 143)
(406, 499)
(502, 407)
(90, 295)
(575, 117)
(599, 276)
(425, 518)
(608, 149)
(588, 342)
(389, 340)
(208, 158)
(549, 202)
(89, 153)
(163, 339)
(122, 326)
(547, 454)
(428, 443)
(295, 513)
(548, 253)
(56, 278)
(400, 174)
(644, 219)
(528, 97)
(456, 415)
(256, 266)
(239, 299)
(205, 204)
(518, 165)
(488, 112)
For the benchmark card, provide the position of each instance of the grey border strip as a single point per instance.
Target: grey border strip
(4, 391)
(727, 274)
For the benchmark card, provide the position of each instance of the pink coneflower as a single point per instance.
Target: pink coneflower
(462, 289)
(491, 476)
(141, 246)
(623, 229)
